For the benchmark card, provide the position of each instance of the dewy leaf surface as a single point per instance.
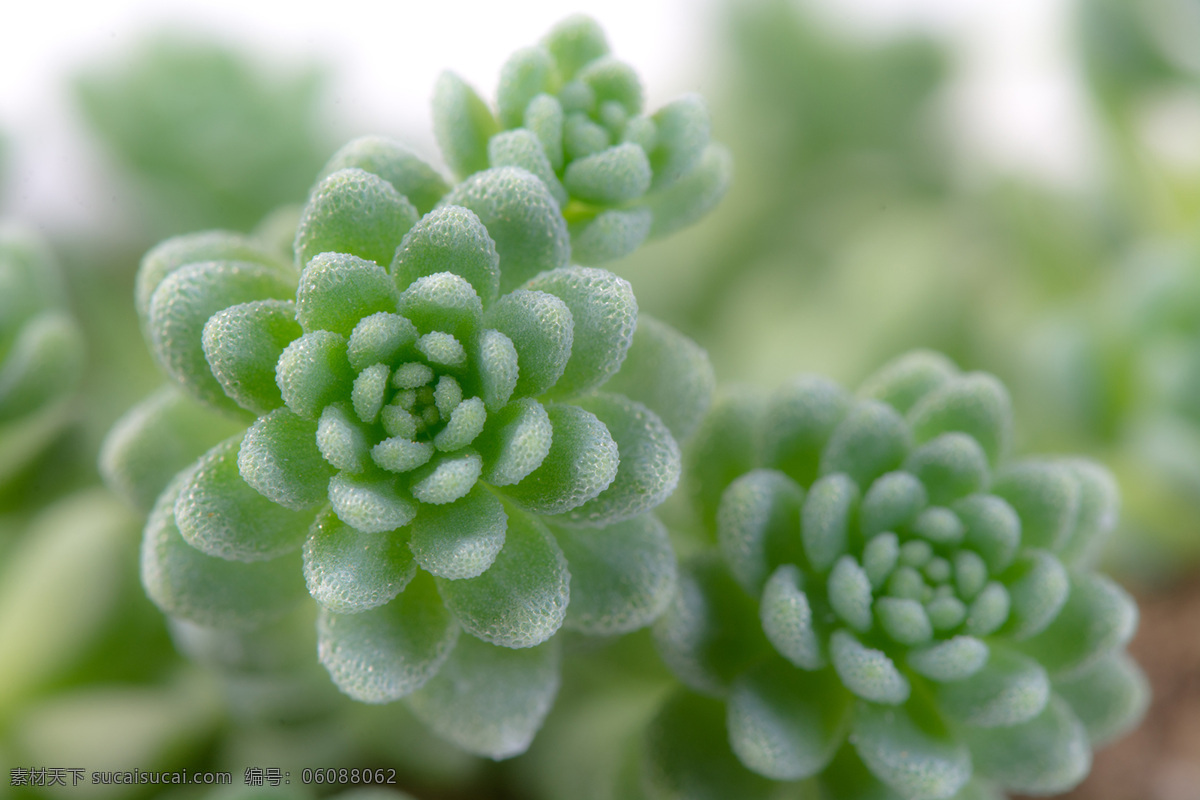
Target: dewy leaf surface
(490, 700)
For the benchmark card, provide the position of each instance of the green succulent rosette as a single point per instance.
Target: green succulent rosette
(41, 350)
(572, 114)
(893, 608)
(454, 439)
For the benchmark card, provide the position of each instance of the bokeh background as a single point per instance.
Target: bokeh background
(1016, 184)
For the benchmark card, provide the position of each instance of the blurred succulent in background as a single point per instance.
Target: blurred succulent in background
(459, 431)
(572, 114)
(41, 350)
(894, 606)
(213, 137)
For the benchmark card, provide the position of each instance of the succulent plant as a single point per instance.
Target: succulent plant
(893, 608)
(572, 114)
(41, 350)
(452, 433)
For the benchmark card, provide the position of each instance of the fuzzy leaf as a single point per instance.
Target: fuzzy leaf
(950, 660)
(409, 175)
(622, 575)
(490, 700)
(193, 248)
(184, 302)
(279, 459)
(581, 463)
(1098, 618)
(648, 461)
(905, 621)
(801, 416)
(370, 505)
(461, 539)
(1099, 500)
(342, 441)
(1046, 497)
(386, 653)
(683, 131)
(950, 466)
(611, 234)
(870, 440)
(1038, 591)
(544, 117)
(1046, 755)
(155, 440)
(612, 176)
(785, 723)
(337, 290)
(521, 148)
(1008, 690)
(1110, 696)
(380, 339)
(462, 124)
(787, 619)
(724, 447)
(188, 584)
(991, 528)
(867, 672)
(917, 763)
(976, 404)
(449, 239)
(891, 503)
(314, 372)
(447, 478)
(849, 591)
(576, 41)
(526, 74)
(828, 512)
(693, 195)
(668, 373)
(356, 213)
(349, 571)
(541, 328)
(243, 344)
(908, 379)
(604, 312)
(221, 515)
(516, 443)
(758, 525)
(522, 219)
(521, 600)
(499, 368)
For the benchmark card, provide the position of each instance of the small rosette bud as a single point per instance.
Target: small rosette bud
(894, 607)
(455, 441)
(570, 113)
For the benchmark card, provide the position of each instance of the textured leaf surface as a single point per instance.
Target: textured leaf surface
(1046, 755)
(542, 330)
(155, 440)
(411, 177)
(337, 290)
(490, 700)
(648, 461)
(449, 239)
(221, 515)
(462, 539)
(212, 591)
(349, 571)
(522, 219)
(581, 463)
(521, 600)
(243, 344)
(386, 653)
(1110, 697)
(758, 525)
(279, 459)
(604, 312)
(462, 124)
(356, 213)
(668, 373)
(785, 723)
(622, 575)
(917, 763)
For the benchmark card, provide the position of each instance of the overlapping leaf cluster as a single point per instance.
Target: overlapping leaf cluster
(894, 607)
(572, 114)
(455, 438)
(41, 349)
